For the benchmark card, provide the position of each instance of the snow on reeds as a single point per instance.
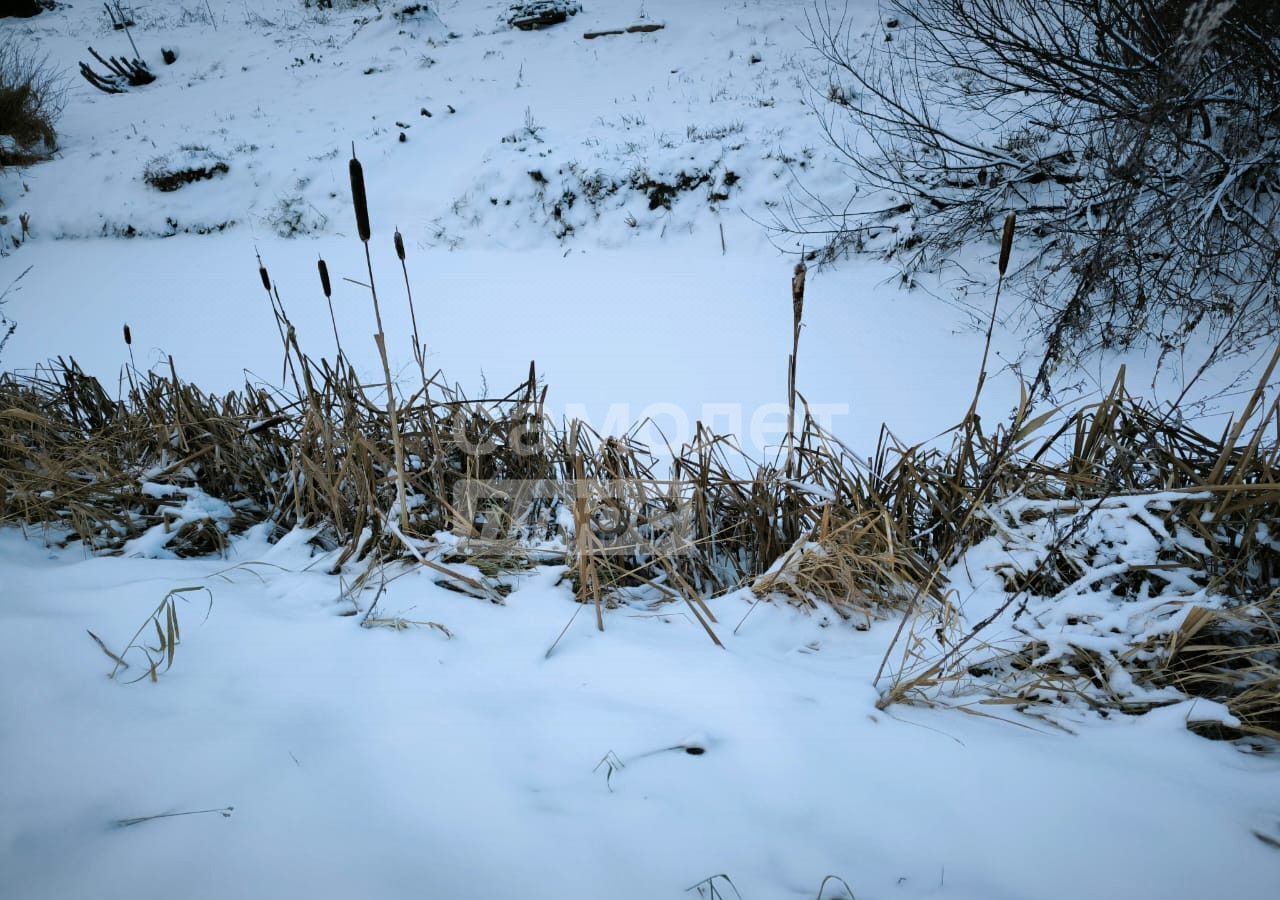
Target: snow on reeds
(1136, 559)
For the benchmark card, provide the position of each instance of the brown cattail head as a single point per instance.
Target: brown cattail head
(324, 279)
(1006, 242)
(266, 279)
(128, 335)
(399, 245)
(797, 292)
(359, 200)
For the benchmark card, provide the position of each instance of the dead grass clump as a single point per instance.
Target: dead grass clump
(1138, 565)
(31, 98)
(856, 568)
(1231, 656)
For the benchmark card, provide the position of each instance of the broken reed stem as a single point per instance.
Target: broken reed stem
(124, 23)
(361, 204)
(1220, 466)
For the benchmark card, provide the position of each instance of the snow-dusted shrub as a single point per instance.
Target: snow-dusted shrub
(186, 164)
(528, 15)
(295, 216)
(30, 101)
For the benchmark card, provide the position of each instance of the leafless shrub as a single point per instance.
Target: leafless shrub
(1138, 141)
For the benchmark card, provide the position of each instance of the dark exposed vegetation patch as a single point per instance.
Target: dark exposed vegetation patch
(530, 15)
(412, 11)
(24, 9)
(569, 196)
(662, 193)
(188, 164)
(171, 228)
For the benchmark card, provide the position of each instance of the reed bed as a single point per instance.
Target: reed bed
(866, 537)
(478, 488)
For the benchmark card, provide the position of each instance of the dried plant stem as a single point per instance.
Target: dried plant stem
(397, 441)
(588, 577)
(282, 321)
(419, 349)
(419, 354)
(225, 812)
(124, 23)
(1006, 246)
(971, 426)
(797, 320)
(133, 365)
(360, 202)
(327, 288)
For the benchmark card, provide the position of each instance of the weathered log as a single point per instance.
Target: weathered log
(121, 72)
(106, 85)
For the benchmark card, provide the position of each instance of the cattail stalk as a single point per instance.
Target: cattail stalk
(797, 318)
(1006, 242)
(419, 351)
(1006, 247)
(328, 298)
(361, 203)
(1002, 453)
(133, 365)
(420, 357)
(277, 311)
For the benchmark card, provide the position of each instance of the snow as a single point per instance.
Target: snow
(400, 761)
(390, 763)
(195, 506)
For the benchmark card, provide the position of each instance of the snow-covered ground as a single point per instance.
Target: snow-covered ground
(378, 763)
(386, 764)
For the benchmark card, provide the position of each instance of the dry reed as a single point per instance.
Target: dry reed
(378, 477)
